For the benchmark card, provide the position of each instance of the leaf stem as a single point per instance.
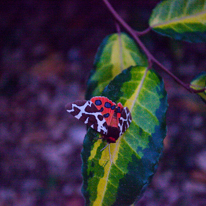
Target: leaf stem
(198, 90)
(141, 33)
(150, 57)
(127, 27)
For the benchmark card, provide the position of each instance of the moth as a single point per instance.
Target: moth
(109, 119)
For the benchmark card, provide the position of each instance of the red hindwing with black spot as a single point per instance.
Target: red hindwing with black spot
(103, 115)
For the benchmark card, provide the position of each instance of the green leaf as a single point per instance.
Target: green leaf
(198, 83)
(116, 53)
(136, 153)
(180, 19)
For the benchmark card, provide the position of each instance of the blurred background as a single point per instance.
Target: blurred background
(47, 50)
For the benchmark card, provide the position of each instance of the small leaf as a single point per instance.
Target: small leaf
(180, 19)
(116, 53)
(198, 83)
(136, 153)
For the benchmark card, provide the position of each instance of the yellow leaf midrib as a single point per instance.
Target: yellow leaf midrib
(115, 149)
(177, 20)
(136, 93)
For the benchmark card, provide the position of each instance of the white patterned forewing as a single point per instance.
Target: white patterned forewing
(87, 112)
(124, 121)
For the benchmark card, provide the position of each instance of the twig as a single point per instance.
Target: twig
(172, 75)
(150, 57)
(128, 28)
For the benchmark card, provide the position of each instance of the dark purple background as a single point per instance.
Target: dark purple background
(46, 53)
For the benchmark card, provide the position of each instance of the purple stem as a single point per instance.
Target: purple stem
(118, 28)
(141, 33)
(150, 57)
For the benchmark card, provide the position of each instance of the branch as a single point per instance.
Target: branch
(172, 75)
(150, 57)
(128, 28)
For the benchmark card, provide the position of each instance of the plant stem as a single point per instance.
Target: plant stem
(171, 74)
(127, 27)
(118, 28)
(141, 33)
(150, 57)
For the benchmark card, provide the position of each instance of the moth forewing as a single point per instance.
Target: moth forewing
(87, 112)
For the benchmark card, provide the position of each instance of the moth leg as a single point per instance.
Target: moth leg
(108, 144)
(104, 147)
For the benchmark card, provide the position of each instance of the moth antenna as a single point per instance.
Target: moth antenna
(109, 151)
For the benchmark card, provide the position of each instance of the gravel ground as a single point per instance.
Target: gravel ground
(46, 52)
